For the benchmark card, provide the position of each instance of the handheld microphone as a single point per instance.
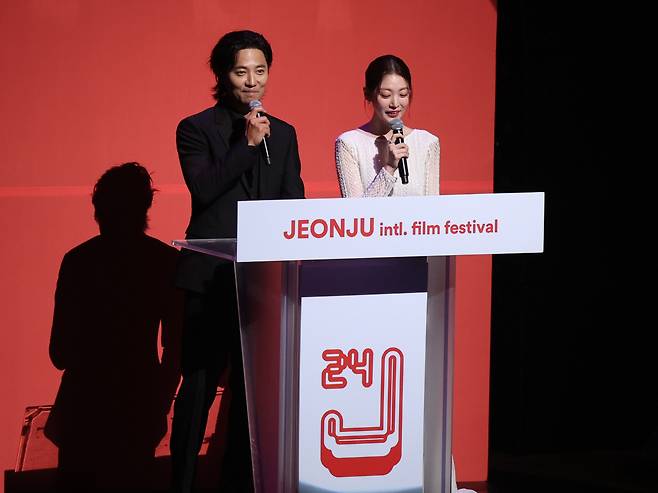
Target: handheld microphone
(256, 104)
(397, 125)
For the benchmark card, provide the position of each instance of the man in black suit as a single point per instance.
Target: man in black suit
(221, 152)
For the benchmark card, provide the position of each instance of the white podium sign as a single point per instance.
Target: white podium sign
(361, 401)
(309, 229)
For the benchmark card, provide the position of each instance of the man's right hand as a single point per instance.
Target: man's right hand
(257, 127)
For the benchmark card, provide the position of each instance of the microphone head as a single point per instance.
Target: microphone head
(254, 104)
(396, 124)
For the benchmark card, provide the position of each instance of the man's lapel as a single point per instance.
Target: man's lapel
(223, 121)
(225, 129)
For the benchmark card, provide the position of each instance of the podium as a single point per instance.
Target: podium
(347, 348)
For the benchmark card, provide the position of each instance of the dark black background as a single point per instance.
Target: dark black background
(573, 373)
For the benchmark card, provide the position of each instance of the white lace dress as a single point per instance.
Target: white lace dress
(360, 172)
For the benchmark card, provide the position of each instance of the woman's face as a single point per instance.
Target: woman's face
(391, 100)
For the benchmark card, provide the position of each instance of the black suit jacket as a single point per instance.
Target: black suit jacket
(220, 169)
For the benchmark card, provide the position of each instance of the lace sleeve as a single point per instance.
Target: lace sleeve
(381, 185)
(432, 168)
(347, 168)
(349, 175)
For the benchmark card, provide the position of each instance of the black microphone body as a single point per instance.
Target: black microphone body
(256, 104)
(403, 168)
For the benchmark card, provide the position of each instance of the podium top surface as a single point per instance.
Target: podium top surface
(225, 248)
(322, 229)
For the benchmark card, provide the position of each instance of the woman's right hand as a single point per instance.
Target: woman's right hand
(395, 153)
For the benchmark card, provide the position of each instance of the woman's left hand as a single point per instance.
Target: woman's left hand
(395, 153)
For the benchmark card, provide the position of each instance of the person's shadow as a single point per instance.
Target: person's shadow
(114, 292)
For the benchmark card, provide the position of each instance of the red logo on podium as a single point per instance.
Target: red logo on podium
(380, 446)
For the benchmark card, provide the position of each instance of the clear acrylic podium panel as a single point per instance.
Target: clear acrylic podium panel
(269, 299)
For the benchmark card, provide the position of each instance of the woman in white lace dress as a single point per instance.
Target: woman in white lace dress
(367, 159)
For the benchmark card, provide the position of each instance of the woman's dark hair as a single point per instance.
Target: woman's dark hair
(381, 66)
(122, 197)
(223, 55)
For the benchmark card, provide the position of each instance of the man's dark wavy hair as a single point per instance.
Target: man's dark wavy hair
(223, 55)
(122, 197)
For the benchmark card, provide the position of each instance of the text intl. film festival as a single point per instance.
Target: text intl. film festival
(364, 227)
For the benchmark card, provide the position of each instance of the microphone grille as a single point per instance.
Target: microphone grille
(396, 124)
(254, 104)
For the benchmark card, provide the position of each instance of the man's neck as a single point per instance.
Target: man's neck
(236, 106)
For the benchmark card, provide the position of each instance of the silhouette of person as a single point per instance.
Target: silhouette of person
(113, 294)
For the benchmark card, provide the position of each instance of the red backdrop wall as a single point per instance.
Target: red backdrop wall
(89, 84)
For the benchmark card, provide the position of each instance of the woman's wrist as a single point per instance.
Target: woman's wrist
(389, 169)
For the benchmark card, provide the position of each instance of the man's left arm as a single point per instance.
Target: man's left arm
(292, 186)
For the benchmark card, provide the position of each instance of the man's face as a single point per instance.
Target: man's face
(248, 77)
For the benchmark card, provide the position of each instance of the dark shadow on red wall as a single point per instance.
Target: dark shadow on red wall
(114, 293)
(36, 468)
